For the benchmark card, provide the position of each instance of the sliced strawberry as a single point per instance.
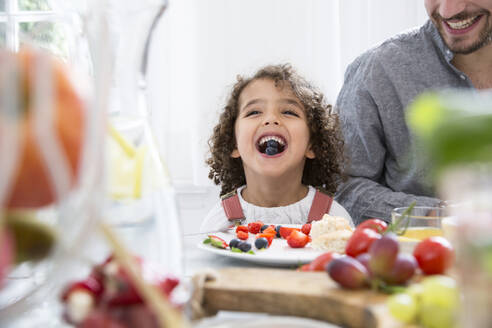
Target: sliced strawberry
(285, 231)
(254, 227)
(306, 229)
(242, 228)
(297, 239)
(217, 242)
(270, 229)
(242, 235)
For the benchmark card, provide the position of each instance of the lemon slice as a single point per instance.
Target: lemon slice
(125, 167)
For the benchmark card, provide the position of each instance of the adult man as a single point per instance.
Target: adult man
(451, 50)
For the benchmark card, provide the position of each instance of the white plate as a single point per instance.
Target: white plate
(278, 254)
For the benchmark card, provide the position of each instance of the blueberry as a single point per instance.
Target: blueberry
(272, 143)
(234, 242)
(263, 227)
(261, 243)
(277, 229)
(244, 246)
(271, 151)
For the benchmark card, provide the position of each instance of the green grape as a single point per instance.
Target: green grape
(403, 307)
(440, 291)
(415, 290)
(433, 316)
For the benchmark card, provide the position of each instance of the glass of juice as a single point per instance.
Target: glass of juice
(420, 223)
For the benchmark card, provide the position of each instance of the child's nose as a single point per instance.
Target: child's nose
(272, 121)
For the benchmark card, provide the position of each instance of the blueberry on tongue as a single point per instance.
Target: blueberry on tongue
(271, 150)
(272, 143)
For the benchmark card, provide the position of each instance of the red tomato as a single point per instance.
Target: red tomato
(320, 263)
(375, 224)
(32, 185)
(434, 255)
(360, 241)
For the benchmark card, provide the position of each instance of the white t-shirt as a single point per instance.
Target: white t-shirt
(296, 213)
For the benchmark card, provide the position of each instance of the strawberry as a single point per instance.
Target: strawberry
(254, 227)
(241, 228)
(304, 268)
(297, 239)
(270, 229)
(216, 241)
(285, 231)
(306, 229)
(242, 235)
(168, 284)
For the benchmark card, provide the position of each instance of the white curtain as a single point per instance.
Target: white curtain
(201, 45)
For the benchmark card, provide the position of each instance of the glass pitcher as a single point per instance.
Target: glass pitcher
(140, 202)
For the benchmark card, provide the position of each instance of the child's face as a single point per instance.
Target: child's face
(271, 129)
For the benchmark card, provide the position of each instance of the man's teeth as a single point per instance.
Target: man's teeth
(462, 24)
(277, 139)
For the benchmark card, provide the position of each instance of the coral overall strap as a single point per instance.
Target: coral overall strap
(321, 205)
(232, 207)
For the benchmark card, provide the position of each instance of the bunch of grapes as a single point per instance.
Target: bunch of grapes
(381, 266)
(433, 303)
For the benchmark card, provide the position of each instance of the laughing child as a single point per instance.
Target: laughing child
(276, 152)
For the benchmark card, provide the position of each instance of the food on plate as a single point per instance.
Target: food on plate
(432, 303)
(109, 298)
(216, 241)
(348, 272)
(297, 239)
(32, 183)
(331, 233)
(434, 255)
(242, 235)
(254, 227)
(261, 243)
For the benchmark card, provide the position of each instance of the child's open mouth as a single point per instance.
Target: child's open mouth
(271, 145)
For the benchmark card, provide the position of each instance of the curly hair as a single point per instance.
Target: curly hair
(325, 171)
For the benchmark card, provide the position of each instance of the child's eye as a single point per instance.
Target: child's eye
(252, 112)
(290, 112)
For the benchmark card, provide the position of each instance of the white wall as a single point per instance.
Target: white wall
(201, 45)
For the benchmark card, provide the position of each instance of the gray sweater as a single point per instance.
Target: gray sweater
(387, 168)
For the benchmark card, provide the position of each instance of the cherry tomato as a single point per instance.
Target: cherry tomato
(360, 241)
(434, 255)
(375, 224)
(320, 263)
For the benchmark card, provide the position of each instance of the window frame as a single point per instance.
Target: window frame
(12, 17)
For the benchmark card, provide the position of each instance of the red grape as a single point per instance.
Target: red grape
(383, 255)
(403, 269)
(348, 272)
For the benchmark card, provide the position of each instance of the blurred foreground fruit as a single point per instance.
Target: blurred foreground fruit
(32, 183)
(33, 240)
(383, 255)
(434, 255)
(348, 272)
(7, 252)
(433, 303)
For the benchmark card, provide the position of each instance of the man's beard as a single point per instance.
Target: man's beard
(484, 38)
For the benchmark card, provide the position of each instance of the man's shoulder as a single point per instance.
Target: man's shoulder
(406, 46)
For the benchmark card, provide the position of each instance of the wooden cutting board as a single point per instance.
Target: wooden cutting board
(287, 292)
